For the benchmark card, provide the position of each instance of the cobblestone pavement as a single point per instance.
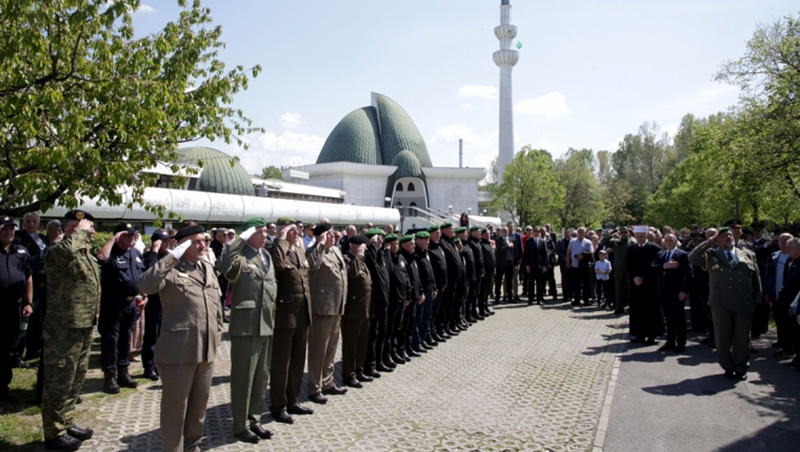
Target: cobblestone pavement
(528, 378)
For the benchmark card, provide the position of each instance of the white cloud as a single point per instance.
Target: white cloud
(287, 149)
(143, 8)
(671, 129)
(467, 107)
(449, 135)
(290, 120)
(552, 104)
(479, 91)
(614, 145)
(711, 100)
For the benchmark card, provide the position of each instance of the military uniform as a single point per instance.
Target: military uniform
(489, 264)
(187, 346)
(449, 308)
(428, 287)
(152, 321)
(253, 290)
(378, 264)
(72, 273)
(439, 264)
(356, 319)
(292, 320)
(468, 290)
(406, 333)
(328, 281)
(400, 292)
(735, 290)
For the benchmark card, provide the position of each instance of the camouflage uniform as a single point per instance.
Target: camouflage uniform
(72, 273)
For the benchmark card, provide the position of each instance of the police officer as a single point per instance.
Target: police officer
(121, 265)
(72, 273)
(16, 292)
(160, 245)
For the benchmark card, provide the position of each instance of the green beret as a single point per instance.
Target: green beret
(461, 229)
(390, 238)
(447, 224)
(284, 221)
(256, 222)
(484, 230)
(373, 232)
(406, 238)
(422, 235)
(457, 241)
(723, 229)
(474, 228)
(433, 228)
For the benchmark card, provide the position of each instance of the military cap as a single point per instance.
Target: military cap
(433, 228)
(77, 214)
(390, 238)
(461, 229)
(187, 231)
(406, 238)
(255, 222)
(124, 227)
(758, 225)
(733, 222)
(484, 230)
(6, 220)
(446, 225)
(284, 221)
(723, 229)
(374, 231)
(474, 228)
(357, 240)
(321, 228)
(159, 235)
(422, 235)
(457, 241)
(747, 231)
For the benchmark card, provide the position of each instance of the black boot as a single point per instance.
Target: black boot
(124, 379)
(110, 385)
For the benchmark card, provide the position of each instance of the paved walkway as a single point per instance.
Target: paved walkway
(529, 378)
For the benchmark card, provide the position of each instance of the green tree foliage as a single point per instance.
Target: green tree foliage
(531, 191)
(272, 172)
(86, 106)
(582, 205)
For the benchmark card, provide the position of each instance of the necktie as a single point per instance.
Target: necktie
(669, 256)
(730, 258)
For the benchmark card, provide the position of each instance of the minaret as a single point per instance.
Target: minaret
(505, 58)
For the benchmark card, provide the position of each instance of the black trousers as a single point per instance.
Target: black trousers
(580, 284)
(566, 281)
(152, 328)
(116, 327)
(10, 322)
(377, 334)
(503, 281)
(675, 315)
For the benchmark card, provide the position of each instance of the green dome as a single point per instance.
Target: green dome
(375, 135)
(398, 131)
(355, 139)
(217, 175)
(407, 165)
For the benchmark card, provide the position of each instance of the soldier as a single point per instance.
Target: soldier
(399, 298)
(416, 297)
(121, 266)
(488, 280)
(72, 273)
(187, 346)
(471, 307)
(328, 281)
(16, 289)
(292, 321)
(467, 290)
(152, 311)
(356, 319)
(505, 266)
(455, 280)
(248, 267)
(428, 290)
(439, 264)
(377, 260)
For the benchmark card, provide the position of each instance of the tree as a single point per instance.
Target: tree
(272, 172)
(531, 190)
(86, 106)
(582, 204)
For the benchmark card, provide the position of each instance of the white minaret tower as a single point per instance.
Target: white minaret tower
(505, 58)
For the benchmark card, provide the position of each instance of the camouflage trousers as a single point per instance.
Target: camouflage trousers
(66, 358)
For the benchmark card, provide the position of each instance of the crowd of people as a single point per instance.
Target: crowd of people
(290, 290)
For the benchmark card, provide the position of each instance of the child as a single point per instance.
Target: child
(602, 268)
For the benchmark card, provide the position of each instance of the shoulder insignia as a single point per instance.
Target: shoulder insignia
(402, 264)
(22, 251)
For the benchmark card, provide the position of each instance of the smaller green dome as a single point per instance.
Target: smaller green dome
(217, 175)
(407, 164)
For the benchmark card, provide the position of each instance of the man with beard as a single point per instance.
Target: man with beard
(645, 313)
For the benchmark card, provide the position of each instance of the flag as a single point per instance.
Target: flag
(519, 44)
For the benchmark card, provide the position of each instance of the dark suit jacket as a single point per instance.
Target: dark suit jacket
(293, 309)
(672, 281)
(503, 253)
(535, 255)
(359, 288)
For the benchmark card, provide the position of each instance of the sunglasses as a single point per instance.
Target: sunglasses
(207, 240)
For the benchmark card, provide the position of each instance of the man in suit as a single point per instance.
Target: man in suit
(489, 266)
(328, 281)
(357, 310)
(774, 281)
(735, 291)
(674, 282)
(646, 322)
(562, 246)
(535, 259)
(515, 243)
(191, 333)
(504, 255)
(471, 305)
(549, 276)
(248, 267)
(292, 321)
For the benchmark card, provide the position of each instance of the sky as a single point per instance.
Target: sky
(589, 71)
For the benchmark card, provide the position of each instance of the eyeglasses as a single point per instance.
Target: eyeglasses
(207, 240)
(230, 234)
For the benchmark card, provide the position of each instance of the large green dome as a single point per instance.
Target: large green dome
(375, 135)
(217, 175)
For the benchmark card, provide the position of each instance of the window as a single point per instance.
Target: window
(412, 212)
(399, 187)
(411, 186)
